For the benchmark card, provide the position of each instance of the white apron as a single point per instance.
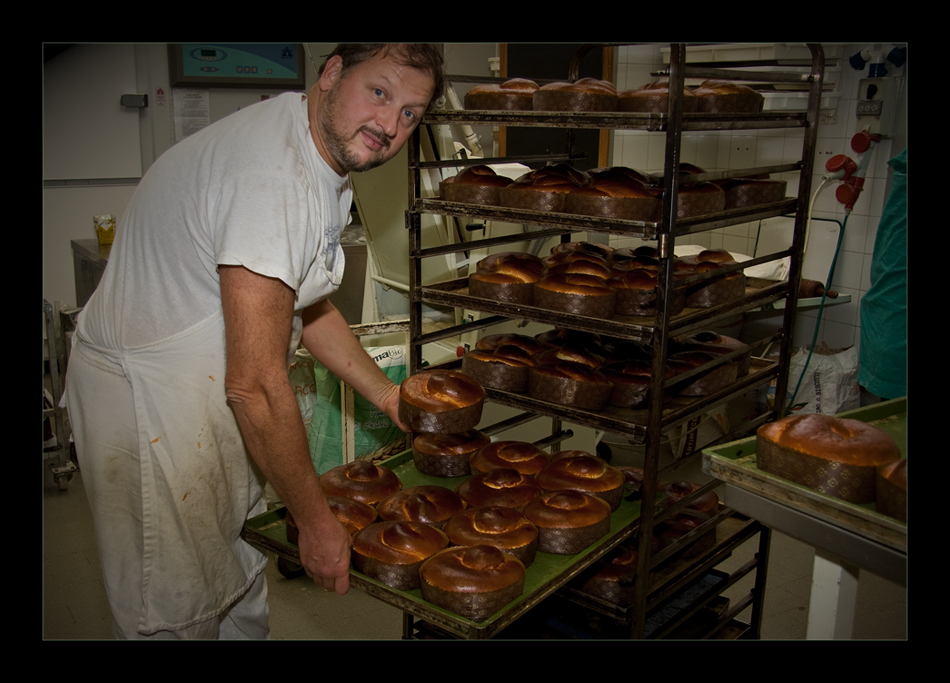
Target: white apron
(198, 485)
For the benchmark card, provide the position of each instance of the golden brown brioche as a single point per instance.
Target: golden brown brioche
(502, 527)
(891, 489)
(677, 490)
(472, 581)
(446, 455)
(392, 552)
(440, 401)
(474, 185)
(585, 94)
(544, 189)
(836, 456)
(570, 384)
(578, 294)
(507, 276)
(517, 455)
(580, 471)
(568, 521)
(360, 480)
(515, 94)
(653, 98)
(501, 486)
(720, 97)
(426, 503)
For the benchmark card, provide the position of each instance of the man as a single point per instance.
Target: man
(222, 262)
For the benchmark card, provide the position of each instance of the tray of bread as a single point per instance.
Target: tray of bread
(849, 469)
(446, 527)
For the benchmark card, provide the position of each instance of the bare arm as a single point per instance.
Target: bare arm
(257, 315)
(327, 336)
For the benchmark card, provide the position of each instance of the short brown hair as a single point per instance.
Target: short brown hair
(425, 57)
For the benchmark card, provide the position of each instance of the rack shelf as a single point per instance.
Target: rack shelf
(644, 426)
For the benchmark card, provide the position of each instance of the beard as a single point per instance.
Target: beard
(338, 142)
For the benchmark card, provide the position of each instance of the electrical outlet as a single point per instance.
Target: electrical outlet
(877, 105)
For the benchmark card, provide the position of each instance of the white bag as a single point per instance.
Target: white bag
(830, 383)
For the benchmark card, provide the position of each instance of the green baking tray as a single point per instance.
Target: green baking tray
(735, 464)
(548, 572)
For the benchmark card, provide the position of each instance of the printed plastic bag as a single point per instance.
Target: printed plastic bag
(374, 432)
(830, 383)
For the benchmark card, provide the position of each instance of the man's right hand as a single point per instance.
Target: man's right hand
(325, 554)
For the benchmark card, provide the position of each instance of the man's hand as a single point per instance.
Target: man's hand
(325, 555)
(390, 406)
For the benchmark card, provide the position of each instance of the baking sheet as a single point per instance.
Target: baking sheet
(546, 574)
(735, 464)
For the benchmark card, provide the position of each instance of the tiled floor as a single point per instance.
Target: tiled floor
(74, 602)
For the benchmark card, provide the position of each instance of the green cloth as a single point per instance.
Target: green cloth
(883, 358)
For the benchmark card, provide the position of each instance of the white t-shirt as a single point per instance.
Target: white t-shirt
(249, 190)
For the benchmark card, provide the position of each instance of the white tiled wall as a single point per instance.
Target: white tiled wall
(840, 325)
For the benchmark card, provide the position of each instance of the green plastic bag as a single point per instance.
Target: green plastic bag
(374, 432)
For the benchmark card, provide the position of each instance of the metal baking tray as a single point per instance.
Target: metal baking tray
(546, 574)
(735, 464)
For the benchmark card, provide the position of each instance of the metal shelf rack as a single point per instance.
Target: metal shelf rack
(645, 426)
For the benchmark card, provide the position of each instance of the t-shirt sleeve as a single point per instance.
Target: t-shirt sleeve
(262, 222)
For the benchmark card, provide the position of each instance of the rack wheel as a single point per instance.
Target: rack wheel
(288, 569)
(604, 452)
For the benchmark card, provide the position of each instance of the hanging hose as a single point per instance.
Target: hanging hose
(821, 306)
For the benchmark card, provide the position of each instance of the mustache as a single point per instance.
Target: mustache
(381, 137)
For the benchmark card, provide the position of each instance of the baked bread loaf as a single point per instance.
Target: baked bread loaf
(891, 489)
(505, 370)
(441, 402)
(580, 471)
(545, 189)
(522, 456)
(743, 192)
(674, 529)
(393, 552)
(428, 504)
(724, 97)
(707, 381)
(712, 291)
(631, 380)
(716, 343)
(585, 94)
(570, 384)
(653, 98)
(501, 486)
(472, 581)
(529, 345)
(501, 361)
(515, 94)
(835, 456)
(360, 480)
(506, 276)
(678, 490)
(474, 185)
(568, 521)
(559, 336)
(636, 292)
(447, 455)
(618, 192)
(613, 579)
(586, 295)
(502, 527)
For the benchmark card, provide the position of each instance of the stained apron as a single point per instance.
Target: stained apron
(167, 474)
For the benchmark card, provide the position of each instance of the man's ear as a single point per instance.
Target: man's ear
(331, 72)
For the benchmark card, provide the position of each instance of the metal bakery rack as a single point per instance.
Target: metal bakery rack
(644, 426)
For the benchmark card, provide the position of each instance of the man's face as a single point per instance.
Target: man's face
(365, 116)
